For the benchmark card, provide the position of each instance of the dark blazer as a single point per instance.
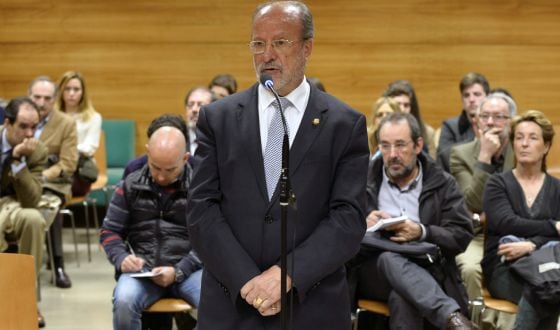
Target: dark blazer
(453, 131)
(236, 231)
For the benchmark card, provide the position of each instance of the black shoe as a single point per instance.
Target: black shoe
(40, 319)
(62, 279)
(457, 321)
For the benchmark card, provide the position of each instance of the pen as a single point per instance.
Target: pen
(133, 254)
(131, 249)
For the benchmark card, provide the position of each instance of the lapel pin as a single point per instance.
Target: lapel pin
(316, 122)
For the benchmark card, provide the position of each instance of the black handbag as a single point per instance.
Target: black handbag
(423, 253)
(541, 271)
(87, 169)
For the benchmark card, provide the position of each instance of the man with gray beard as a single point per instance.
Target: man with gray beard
(404, 182)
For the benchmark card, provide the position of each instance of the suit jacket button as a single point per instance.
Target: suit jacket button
(268, 219)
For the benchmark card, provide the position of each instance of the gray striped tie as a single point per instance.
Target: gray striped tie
(273, 150)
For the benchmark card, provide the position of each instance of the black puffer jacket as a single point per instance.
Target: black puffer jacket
(152, 221)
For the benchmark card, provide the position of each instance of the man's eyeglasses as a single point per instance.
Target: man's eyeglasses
(399, 146)
(497, 117)
(280, 45)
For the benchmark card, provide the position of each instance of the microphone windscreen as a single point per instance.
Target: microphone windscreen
(266, 80)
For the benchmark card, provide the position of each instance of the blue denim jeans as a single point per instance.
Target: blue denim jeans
(133, 295)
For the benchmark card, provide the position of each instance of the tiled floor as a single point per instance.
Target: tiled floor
(87, 305)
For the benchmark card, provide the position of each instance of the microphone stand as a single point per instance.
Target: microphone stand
(286, 198)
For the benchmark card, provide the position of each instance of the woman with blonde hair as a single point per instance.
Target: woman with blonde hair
(73, 99)
(381, 108)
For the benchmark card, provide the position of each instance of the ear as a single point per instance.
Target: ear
(307, 47)
(186, 157)
(146, 146)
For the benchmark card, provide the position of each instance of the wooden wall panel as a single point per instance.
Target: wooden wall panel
(140, 57)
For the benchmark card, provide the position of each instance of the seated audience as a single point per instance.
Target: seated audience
(402, 93)
(404, 181)
(381, 108)
(473, 87)
(73, 99)
(522, 202)
(472, 163)
(171, 120)
(23, 159)
(58, 132)
(145, 230)
(222, 85)
(195, 99)
(492, 154)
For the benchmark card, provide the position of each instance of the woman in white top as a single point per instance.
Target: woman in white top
(73, 99)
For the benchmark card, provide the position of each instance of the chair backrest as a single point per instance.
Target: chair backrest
(18, 305)
(120, 138)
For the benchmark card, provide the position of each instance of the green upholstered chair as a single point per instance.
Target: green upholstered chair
(120, 144)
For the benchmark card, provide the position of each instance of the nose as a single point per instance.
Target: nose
(29, 132)
(393, 151)
(269, 53)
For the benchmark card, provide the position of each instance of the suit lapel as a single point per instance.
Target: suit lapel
(247, 115)
(314, 119)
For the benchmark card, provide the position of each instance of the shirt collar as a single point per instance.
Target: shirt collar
(296, 97)
(5, 144)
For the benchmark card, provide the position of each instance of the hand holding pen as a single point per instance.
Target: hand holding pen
(132, 264)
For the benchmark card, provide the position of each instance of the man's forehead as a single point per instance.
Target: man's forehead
(27, 114)
(495, 104)
(43, 88)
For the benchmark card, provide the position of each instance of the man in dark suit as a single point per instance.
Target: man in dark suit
(234, 216)
(473, 87)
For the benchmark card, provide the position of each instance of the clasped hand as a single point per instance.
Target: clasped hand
(25, 148)
(263, 291)
(515, 250)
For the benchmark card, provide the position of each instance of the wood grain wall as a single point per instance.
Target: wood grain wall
(140, 57)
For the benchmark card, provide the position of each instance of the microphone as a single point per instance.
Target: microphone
(267, 82)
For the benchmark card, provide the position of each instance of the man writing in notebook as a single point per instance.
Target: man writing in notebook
(405, 182)
(148, 212)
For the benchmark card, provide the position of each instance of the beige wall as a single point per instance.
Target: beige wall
(140, 57)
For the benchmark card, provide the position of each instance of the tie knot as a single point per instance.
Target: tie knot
(283, 101)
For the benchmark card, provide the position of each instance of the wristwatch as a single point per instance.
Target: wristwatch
(179, 275)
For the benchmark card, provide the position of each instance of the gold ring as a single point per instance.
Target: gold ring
(258, 301)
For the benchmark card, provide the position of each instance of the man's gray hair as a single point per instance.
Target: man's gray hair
(512, 107)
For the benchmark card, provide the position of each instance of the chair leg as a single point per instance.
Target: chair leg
(51, 254)
(73, 223)
(358, 312)
(86, 214)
